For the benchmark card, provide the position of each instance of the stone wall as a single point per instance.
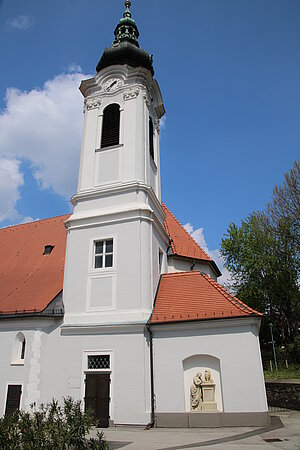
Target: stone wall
(283, 394)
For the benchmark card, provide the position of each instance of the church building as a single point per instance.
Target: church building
(116, 304)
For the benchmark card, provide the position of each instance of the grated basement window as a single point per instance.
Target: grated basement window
(111, 125)
(99, 362)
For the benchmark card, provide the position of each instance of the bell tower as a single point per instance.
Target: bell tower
(123, 107)
(116, 234)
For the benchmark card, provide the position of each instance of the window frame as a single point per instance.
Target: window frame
(103, 369)
(19, 350)
(6, 396)
(104, 254)
(160, 260)
(104, 125)
(151, 139)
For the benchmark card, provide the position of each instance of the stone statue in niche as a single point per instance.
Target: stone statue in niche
(202, 393)
(196, 393)
(208, 393)
(207, 376)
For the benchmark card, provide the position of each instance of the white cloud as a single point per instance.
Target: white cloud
(198, 235)
(44, 127)
(22, 22)
(28, 219)
(10, 180)
(163, 122)
(74, 68)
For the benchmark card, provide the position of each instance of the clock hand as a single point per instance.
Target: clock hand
(111, 85)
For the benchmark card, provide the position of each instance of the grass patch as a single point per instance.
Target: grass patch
(283, 373)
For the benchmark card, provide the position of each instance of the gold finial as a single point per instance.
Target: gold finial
(127, 4)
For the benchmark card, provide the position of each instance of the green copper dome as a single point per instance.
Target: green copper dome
(126, 30)
(125, 48)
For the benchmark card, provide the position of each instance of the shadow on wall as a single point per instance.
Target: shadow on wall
(200, 363)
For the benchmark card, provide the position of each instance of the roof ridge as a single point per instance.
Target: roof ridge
(234, 300)
(187, 233)
(33, 222)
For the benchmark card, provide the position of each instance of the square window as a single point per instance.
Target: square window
(103, 254)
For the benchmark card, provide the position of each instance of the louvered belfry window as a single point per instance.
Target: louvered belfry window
(151, 144)
(111, 125)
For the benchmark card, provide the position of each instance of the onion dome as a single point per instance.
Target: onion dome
(125, 48)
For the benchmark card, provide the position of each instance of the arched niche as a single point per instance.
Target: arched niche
(199, 363)
(19, 348)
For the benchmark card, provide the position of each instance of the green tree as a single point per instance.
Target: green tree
(263, 257)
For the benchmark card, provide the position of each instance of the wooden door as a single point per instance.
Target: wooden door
(97, 396)
(13, 398)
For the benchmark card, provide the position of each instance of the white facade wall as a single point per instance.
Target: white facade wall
(233, 343)
(55, 365)
(177, 264)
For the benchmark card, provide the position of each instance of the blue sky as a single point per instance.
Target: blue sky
(229, 71)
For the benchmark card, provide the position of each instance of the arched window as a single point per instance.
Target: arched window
(111, 125)
(151, 144)
(19, 348)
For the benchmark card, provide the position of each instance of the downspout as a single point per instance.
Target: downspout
(151, 424)
(193, 265)
(148, 326)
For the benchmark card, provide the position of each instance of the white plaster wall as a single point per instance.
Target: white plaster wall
(177, 264)
(29, 374)
(234, 342)
(55, 364)
(130, 275)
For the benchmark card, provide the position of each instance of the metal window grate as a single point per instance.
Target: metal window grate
(99, 362)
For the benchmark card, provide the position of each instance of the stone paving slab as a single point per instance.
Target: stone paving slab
(283, 433)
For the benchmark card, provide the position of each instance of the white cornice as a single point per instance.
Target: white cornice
(130, 211)
(118, 188)
(108, 328)
(131, 77)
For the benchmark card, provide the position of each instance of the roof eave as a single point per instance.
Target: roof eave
(205, 319)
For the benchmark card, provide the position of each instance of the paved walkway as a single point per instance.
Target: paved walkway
(283, 433)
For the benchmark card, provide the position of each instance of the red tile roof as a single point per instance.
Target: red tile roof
(188, 296)
(182, 243)
(29, 280)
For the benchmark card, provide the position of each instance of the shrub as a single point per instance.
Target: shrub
(50, 427)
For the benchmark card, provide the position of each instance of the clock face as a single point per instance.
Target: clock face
(112, 84)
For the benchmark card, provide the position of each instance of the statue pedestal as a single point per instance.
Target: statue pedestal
(208, 402)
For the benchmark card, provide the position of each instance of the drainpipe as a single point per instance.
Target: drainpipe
(151, 424)
(193, 265)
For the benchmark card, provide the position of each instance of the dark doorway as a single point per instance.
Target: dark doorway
(13, 398)
(97, 396)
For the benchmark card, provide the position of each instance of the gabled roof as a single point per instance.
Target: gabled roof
(182, 243)
(190, 296)
(29, 280)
